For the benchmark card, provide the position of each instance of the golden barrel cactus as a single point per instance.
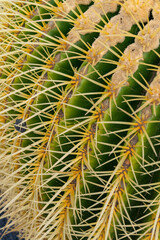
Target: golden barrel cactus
(80, 119)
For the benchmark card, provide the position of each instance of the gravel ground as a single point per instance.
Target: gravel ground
(10, 236)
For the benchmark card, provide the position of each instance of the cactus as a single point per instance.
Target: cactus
(79, 119)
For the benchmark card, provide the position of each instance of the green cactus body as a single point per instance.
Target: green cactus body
(79, 119)
(134, 162)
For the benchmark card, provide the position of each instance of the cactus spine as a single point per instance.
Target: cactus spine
(79, 119)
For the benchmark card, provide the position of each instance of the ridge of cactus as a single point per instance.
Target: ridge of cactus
(80, 119)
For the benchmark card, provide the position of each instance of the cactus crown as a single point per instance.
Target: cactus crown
(79, 119)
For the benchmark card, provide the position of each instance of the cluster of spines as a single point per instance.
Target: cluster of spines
(59, 126)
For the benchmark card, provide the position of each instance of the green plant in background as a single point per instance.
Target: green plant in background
(80, 119)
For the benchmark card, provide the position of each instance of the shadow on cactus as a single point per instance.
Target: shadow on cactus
(79, 119)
